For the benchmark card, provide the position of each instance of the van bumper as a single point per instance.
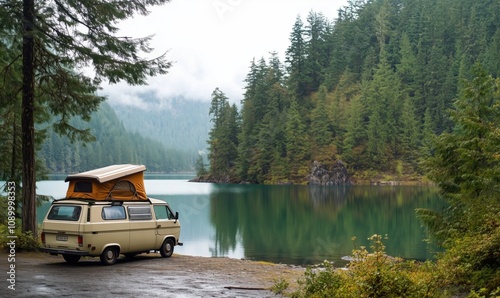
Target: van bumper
(55, 251)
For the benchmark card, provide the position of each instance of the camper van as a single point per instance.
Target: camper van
(106, 213)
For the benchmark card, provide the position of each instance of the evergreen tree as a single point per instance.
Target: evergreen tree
(297, 150)
(55, 40)
(355, 137)
(409, 132)
(248, 116)
(295, 61)
(406, 69)
(223, 140)
(343, 96)
(316, 49)
(319, 120)
(491, 59)
(391, 70)
(466, 168)
(383, 114)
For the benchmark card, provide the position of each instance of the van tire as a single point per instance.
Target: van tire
(109, 256)
(72, 259)
(167, 248)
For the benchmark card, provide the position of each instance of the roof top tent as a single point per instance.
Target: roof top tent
(117, 182)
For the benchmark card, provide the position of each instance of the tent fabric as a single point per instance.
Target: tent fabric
(128, 187)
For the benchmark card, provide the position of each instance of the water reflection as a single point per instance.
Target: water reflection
(292, 224)
(304, 224)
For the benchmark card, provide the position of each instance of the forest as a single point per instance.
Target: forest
(371, 88)
(179, 123)
(113, 145)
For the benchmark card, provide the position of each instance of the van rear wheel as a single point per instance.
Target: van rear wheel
(109, 256)
(167, 248)
(72, 259)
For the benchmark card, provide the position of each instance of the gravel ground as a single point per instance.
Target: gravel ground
(147, 275)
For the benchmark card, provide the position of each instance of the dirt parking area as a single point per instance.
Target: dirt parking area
(146, 275)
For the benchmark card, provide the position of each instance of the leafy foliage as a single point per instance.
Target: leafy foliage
(372, 274)
(466, 167)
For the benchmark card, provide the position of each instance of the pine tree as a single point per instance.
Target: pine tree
(465, 166)
(383, 114)
(355, 137)
(295, 61)
(223, 137)
(297, 150)
(320, 131)
(316, 51)
(409, 132)
(56, 40)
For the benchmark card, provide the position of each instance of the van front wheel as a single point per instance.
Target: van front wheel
(167, 248)
(109, 256)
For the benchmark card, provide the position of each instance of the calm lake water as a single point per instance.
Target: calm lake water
(287, 224)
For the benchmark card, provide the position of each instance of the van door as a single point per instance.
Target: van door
(110, 225)
(142, 229)
(62, 227)
(166, 223)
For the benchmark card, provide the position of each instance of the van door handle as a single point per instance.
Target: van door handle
(158, 226)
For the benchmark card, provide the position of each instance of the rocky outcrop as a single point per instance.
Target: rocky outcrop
(321, 175)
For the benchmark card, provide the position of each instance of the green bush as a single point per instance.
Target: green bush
(24, 241)
(373, 275)
(473, 262)
(280, 285)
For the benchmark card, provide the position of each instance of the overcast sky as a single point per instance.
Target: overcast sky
(212, 43)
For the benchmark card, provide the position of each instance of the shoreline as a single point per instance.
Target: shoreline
(194, 275)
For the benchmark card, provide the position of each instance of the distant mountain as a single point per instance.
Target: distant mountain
(114, 145)
(179, 123)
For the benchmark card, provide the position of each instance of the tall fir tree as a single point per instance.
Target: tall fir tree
(295, 62)
(297, 149)
(223, 137)
(56, 40)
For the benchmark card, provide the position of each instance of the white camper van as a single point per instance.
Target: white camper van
(106, 213)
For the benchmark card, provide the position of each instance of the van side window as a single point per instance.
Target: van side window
(163, 212)
(140, 213)
(113, 212)
(71, 213)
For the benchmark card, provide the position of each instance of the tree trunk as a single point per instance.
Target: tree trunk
(27, 122)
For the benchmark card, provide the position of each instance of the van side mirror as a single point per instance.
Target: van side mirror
(176, 216)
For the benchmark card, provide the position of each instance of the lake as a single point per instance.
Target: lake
(289, 224)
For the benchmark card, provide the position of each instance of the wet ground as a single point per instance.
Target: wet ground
(147, 275)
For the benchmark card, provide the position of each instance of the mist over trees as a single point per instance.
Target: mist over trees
(178, 123)
(372, 88)
(114, 145)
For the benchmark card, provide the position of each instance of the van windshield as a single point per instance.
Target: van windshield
(65, 212)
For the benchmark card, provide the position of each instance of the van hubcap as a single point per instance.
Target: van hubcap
(109, 255)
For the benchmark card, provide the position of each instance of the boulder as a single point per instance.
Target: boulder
(322, 175)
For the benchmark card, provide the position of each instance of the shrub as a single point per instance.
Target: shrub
(373, 274)
(280, 285)
(473, 263)
(24, 241)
